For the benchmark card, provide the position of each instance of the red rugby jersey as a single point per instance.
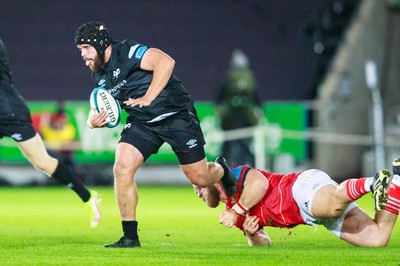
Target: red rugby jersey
(278, 207)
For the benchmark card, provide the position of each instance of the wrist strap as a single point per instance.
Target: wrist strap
(239, 209)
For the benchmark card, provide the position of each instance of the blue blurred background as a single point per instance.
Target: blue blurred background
(199, 35)
(308, 58)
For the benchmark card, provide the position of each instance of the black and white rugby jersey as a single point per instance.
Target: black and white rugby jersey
(123, 78)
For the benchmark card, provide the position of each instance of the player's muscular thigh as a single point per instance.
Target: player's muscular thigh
(324, 203)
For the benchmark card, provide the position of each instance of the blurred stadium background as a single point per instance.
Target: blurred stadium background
(322, 108)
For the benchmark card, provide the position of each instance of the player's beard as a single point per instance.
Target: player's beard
(213, 197)
(97, 64)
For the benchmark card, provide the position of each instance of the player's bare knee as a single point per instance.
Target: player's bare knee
(119, 171)
(123, 173)
(45, 165)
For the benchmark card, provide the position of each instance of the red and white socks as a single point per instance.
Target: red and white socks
(356, 188)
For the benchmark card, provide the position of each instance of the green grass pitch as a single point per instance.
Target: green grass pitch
(49, 226)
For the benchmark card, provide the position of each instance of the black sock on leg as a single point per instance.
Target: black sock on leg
(228, 179)
(130, 229)
(64, 175)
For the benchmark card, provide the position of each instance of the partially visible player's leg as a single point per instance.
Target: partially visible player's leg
(187, 141)
(323, 197)
(199, 173)
(138, 142)
(215, 170)
(202, 174)
(353, 189)
(380, 188)
(393, 204)
(35, 151)
(128, 159)
(361, 230)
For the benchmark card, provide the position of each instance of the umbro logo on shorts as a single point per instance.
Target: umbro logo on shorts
(192, 143)
(16, 136)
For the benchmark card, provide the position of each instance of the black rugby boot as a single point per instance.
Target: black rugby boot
(124, 242)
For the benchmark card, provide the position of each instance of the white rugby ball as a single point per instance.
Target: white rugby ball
(102, 99)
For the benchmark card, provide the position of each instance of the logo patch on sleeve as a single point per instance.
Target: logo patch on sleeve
(139, 52)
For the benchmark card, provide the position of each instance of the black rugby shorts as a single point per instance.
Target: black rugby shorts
(181, 131)
(20, 130)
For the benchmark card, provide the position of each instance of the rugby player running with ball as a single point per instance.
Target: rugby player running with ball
(159, 110)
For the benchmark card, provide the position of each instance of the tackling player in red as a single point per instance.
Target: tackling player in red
(310, 197)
